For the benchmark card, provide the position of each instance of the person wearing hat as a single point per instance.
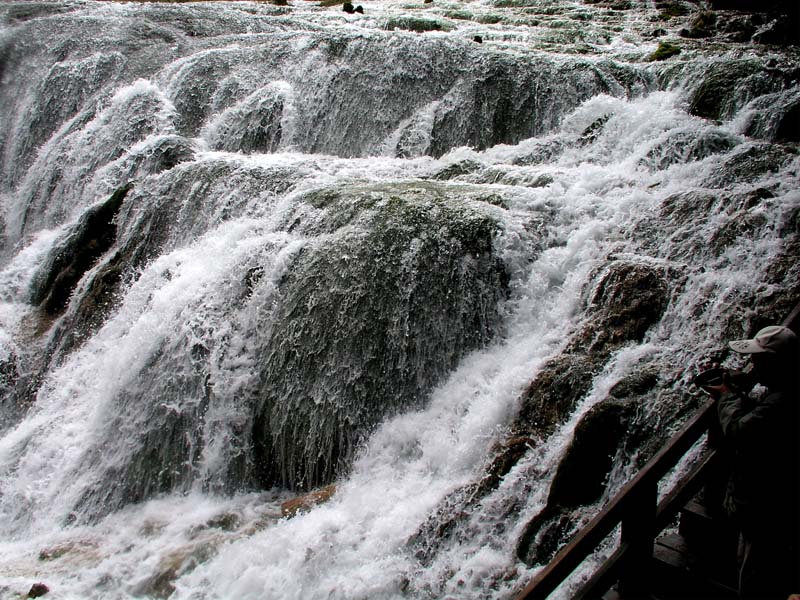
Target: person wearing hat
(761, 434)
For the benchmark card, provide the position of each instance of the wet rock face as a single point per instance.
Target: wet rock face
(366, 323)
(728, 85)
(712, 98)
(629, 299)
(555, 392)
(75, 255)
(626, 300)
(580, 478)
(749, 164)
(608, 428)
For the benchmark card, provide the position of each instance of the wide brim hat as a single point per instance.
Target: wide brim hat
(774, 339)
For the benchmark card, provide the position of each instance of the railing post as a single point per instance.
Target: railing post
(639, 531)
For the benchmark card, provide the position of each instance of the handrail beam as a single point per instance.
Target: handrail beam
(577, 550)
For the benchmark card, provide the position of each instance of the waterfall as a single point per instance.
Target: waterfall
(249, 250)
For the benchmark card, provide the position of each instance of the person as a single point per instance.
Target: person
(761, 435)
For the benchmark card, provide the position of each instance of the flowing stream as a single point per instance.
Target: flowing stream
(251, 250)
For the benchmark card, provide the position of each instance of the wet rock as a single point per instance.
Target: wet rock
(416, 24)
(628, 300)
(167, 153)
(505, 457)
(348, 8)
(448, 518)
(555, 392)
(161, 584)
(683, 207)
(224, 521)
(478, 39)
(38, 590)
(580, 480)
(542, 152)
(76, 254)
(788, 130)
(581, 476)
(780, 32)
(593, 131)
(306, 502)
(689, 146)
(92, 307)
(713, 98)
(668, 10)
(56, 552)
(703, 25)
(543, 536)
(443, 523)
(422, 262)
(738, 29)
(462, 167)
(9, 375)
(638, 383)
(664, 51)
(748, 164)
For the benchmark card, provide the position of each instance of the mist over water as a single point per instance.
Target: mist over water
(250, 250)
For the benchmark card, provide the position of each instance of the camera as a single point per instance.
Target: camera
(710, 377)
(739, 380)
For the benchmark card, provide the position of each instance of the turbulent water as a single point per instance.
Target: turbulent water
(250, 250)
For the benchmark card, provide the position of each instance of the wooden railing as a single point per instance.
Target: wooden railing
(637, 509)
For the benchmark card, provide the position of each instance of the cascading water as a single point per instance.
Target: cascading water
(250, 250)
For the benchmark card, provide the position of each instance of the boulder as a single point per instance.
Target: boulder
(306, 502)
(629, 298)
(713, 98)
(347, 347)
(554, 393)
(703, 25)
(788, 130)
(665, 50)
(581, 476)
(38, 590)
(93, 235)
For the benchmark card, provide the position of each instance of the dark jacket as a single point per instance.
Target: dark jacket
(761, 437)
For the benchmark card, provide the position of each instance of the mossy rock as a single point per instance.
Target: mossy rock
(713, 98)
(664, 51)
(347, 347)
(462, 167)
(417, 24)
